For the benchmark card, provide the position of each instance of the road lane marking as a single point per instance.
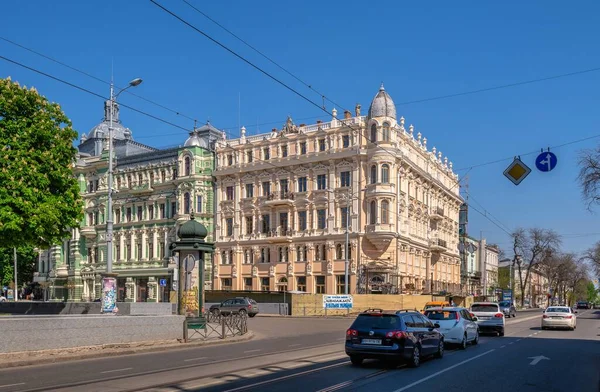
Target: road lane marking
(295, 345)
(248, 386)
(11, 385)
(443, 371)
(518, 340)
(510, 343)
(252, 351)
(115, 370)
(503, 346)
(194, 359)
(350, 382)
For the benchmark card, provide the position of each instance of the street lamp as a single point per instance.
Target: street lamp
(109, 281)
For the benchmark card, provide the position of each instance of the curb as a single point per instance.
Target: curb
(7, 360)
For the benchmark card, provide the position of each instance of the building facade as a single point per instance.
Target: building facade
(285, 200)
(479, 267)
(154, 192)
(536, 287)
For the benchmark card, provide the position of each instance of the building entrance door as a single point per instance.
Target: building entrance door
(142, 290)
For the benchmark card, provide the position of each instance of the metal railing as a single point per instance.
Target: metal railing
(215, 326)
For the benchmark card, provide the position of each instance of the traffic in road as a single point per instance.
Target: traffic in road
(308, 354)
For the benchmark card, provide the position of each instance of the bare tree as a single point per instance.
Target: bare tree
(531, 248)
(593, 256)
(589, 176)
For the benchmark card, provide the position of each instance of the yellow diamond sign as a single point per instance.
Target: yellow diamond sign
(517, 171)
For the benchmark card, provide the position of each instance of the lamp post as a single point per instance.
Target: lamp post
(109, 281)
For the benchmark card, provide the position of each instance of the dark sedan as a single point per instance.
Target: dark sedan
(403, 336)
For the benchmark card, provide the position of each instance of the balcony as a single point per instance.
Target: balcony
(381, 189)
(143, 188)
(279, 235)
(279, 199)
(88, 232)
(437, 245)
(437, 213)
(380, 235)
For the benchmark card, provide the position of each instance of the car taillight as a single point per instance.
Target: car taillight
(456, 316)
(396, 334)
(499, 315)
(568, 317)
(545, 316)
(249, 306)
(350, 333)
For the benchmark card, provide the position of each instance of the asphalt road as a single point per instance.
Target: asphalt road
(307, 355)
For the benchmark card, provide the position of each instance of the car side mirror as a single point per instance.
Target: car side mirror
(474, 318)
(436, 325)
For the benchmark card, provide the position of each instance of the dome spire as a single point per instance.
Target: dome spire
(381, 88)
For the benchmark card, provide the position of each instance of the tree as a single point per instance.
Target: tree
(26, 259)
(589, 176)
(592, 292)
(39, 196)
(531, 247)
(593, 256)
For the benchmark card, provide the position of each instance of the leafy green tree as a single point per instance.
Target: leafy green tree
(592, 293)
(26, 259)
(39, 196)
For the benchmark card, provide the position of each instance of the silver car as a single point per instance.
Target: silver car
(508, 309)
(559, 317)
(456, 324)
(489, 317)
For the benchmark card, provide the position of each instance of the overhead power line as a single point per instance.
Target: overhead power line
(94, 77)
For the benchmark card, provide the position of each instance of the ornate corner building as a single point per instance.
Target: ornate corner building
(155, 191)
(286, 199)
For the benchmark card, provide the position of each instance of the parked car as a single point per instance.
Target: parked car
(489, 317)
(582, 305)
(405, 336)
(456, 324)
(559, 317)
(508, 308)
(435, 304)
(237, 305)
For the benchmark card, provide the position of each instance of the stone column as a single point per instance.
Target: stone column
(152, 289)
(130, 290)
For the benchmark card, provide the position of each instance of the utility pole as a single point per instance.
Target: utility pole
(347, 245)
(16, 289)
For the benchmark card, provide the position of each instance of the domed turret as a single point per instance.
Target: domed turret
(100, 131)
(382, 105)
(192, 230)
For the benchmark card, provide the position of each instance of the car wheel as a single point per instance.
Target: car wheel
(243, 312)
(440, 351)
(476, 340)
(463, 343)
(356, 361)
(501, 333)
(252, 315)
(415, 359)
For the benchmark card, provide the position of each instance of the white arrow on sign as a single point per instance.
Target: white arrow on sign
(547, 162)
(537, 359)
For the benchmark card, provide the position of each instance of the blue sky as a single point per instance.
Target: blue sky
(345, 49)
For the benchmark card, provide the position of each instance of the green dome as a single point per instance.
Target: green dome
(192, 230)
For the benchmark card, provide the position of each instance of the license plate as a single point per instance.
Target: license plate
(556, 317)
(371, 341)
(483, 318)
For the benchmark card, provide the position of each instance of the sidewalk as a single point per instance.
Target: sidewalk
(27, 358)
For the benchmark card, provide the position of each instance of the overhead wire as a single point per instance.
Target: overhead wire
(94, 77)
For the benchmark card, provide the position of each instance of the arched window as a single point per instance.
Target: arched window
(386, 132)
(187, 166)
(338, 252)
(374, 174)
(385, 173)
(385, 211)
(186, 203)
(373, 213)
(373, 133)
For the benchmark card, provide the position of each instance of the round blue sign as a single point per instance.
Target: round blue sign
(546, 161)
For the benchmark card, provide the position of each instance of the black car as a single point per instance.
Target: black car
(583, 305)
(402, 336)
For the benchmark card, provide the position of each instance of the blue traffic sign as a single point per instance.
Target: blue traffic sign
(546, 161)
(163, 282)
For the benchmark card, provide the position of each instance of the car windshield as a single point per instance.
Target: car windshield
(484, 308)
(441, 315)
(376, 321)
(557, 310)
(504, 303)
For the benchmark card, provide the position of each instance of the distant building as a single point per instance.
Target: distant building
(155, 190)
(536, 288)
(285, 199)
(480, 267)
